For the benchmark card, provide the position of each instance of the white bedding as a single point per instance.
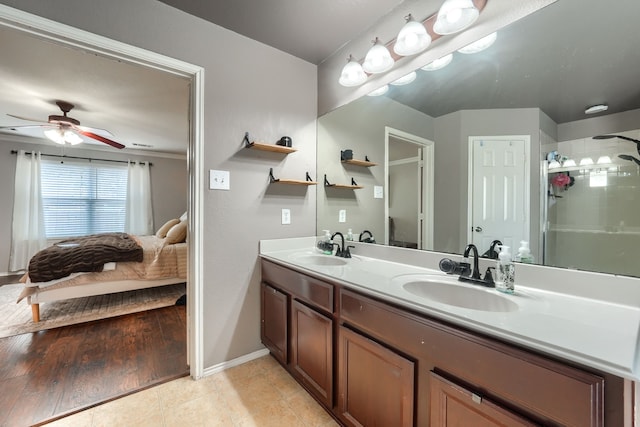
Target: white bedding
(160, 261)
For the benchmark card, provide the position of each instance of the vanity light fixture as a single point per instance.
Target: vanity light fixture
(438, 63)
(586, 161)
(479, 45)
(352, 73)
(405, 80)
(596, 109)
(380, 91)
(412, 38)
(554, 164)
(62, 136)
(455, 16)
(378, 59)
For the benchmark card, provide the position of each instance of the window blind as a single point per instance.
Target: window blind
(83, 198)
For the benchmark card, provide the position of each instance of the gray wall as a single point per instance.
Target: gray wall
(248, 87)
(169, 183)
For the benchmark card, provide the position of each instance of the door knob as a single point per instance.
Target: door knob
(478, 230)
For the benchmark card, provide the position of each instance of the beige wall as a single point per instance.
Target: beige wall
(169, 183)
(248, 87)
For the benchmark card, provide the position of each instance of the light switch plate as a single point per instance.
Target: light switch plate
(378, 192)
(219, 180)
(286, 216)
(342, 215)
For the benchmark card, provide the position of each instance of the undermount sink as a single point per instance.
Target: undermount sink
(460, 296)
(325, 260)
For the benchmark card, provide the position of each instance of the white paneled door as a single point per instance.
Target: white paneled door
(499, 200)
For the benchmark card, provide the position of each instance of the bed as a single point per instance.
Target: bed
(158, 260)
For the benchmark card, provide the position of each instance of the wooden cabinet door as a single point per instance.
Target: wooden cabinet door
(453, 405)
(273, 322)
(312, 350)
(375, 385)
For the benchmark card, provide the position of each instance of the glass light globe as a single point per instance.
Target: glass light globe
(405, 80)
(438, 63)
(378, 59)
(479, 45)
(455, 16)
(380, 91)
(352, 74)
(412, 38)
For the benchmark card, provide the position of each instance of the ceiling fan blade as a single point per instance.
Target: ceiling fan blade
(26, 118)
(98, 137)
(102, 132)
(27, 127)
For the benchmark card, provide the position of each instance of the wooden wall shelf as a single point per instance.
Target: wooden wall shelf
(353, 186)
(274, 148)
(271, 147)
(307, 181)
(348, 158)
(359, 163)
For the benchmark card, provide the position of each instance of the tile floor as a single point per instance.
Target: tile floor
(256, 393)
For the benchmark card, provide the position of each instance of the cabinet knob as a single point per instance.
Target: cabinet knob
(361, 307)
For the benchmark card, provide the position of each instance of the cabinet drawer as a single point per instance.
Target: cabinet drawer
(303, 287)
(551, 391)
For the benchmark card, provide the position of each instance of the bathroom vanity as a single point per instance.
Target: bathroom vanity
(373, 350)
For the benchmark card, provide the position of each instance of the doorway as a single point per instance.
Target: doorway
(78, 39)
(498, 190)
(409, 190)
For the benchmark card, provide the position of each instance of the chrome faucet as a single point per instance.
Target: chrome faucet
(342, 251)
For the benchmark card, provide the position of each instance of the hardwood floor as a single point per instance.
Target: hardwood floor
(47, 374)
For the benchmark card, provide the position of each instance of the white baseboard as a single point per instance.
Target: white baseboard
(234, 362)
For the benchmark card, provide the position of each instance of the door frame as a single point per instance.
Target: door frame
(527, 179)
(73, 37)
(427, 182)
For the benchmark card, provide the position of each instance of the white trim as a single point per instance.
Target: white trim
(527, 179)
(235, 362)
(427, 183)
(70, 36)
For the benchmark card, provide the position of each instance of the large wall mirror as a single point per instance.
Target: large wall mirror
(526, 94)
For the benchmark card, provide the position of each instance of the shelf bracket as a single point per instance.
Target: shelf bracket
(308, 177)
(353, 182)
(246, 141)
(366, 158)
(326, 181)
(272, 178)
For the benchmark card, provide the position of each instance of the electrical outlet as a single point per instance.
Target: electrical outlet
(342, 215)
(286, 216)
(219, 180)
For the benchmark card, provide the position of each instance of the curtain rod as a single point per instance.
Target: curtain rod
(81, 158)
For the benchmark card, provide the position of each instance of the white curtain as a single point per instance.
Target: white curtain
(28, 233)
(139, 216)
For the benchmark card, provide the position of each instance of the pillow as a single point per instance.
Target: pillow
(162, 231)
(183, 217)
(177, 233)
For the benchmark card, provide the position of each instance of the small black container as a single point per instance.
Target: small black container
(285, 141)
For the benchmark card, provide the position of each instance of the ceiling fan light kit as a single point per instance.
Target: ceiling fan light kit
(414, 37)
(66, 130)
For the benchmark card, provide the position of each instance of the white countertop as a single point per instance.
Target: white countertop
(593, 332)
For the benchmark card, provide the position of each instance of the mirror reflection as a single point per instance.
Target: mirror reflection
(482, 149)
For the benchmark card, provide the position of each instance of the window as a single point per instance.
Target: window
(83, 198)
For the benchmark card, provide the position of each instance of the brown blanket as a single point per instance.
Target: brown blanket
(83, 254)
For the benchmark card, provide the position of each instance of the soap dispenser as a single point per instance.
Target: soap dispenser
(350, 235)
(325, 245)
(524, 253)
(505, 271)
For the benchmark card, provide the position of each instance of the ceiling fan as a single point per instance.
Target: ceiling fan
(66, 130)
